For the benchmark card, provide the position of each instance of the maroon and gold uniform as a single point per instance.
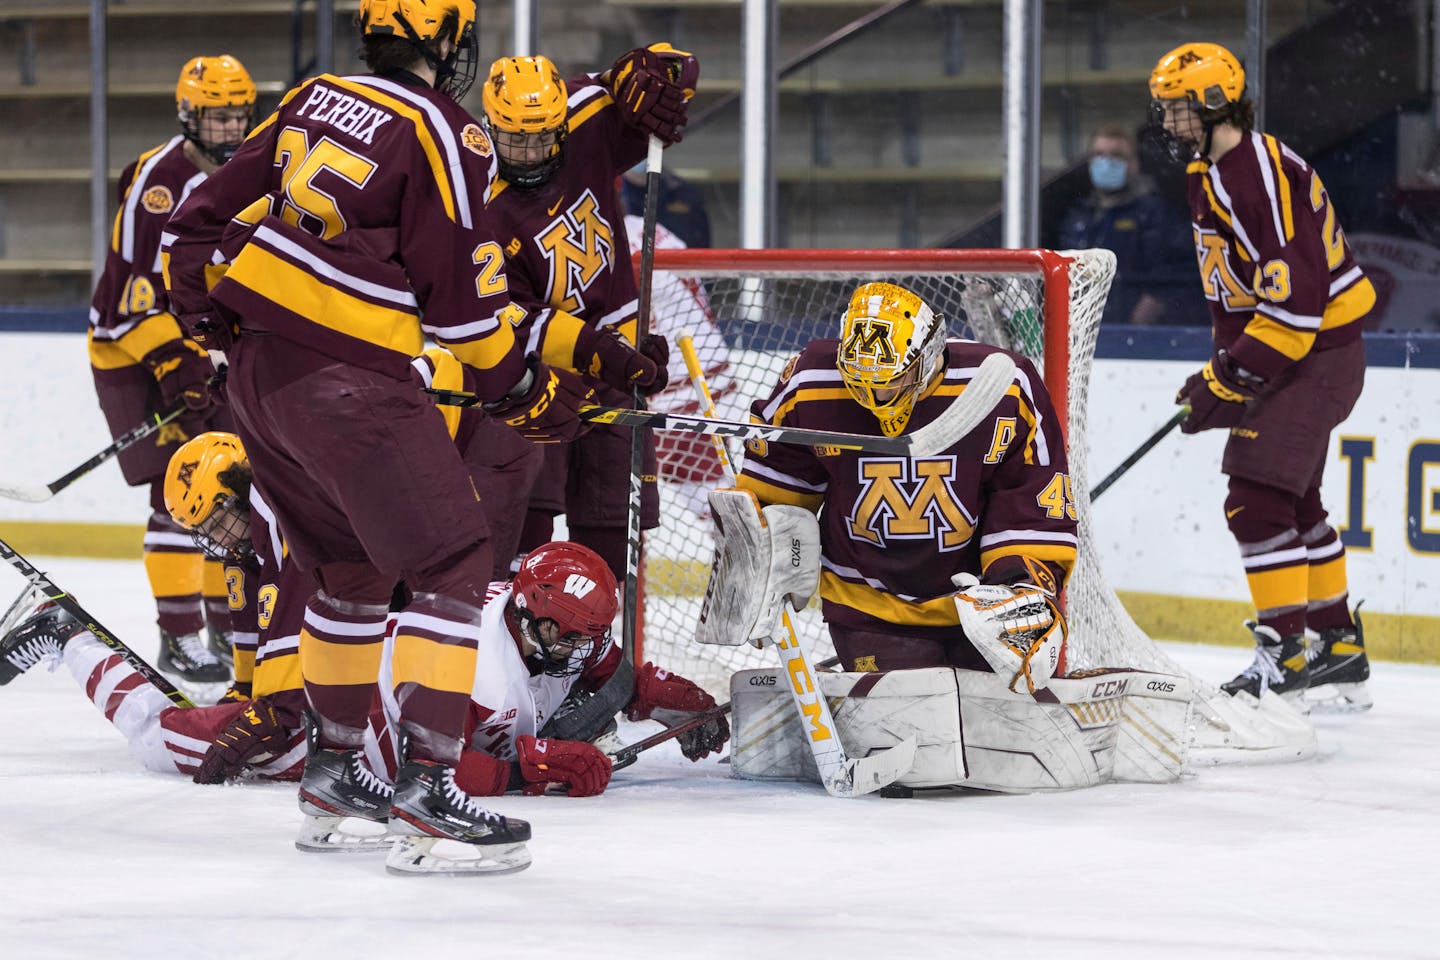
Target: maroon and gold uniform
(894, 530)
(1287, 299)
(131, 330)
(353, 224)
(569, 263)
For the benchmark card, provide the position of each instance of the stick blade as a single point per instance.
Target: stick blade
(969, 410)
(861, 775)
(27, 494)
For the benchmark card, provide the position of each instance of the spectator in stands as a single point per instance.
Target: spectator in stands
(681, 206)
(1156, 264)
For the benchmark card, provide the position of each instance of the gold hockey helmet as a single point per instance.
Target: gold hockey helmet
(890, 348)
(1203, 73)
(423, 21)
(526, 111)
(208, 496)
(209, 82)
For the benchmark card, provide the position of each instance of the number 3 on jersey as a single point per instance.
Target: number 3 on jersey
(304, 182)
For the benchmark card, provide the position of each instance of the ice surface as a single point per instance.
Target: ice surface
(1331, 858)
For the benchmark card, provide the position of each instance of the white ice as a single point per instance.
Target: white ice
(1335, 857)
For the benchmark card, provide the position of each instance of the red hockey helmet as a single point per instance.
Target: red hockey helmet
(563, 601)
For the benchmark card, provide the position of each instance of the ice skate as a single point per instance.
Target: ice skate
(221, 645)
(344, 803)
(1279, 666)
(1338, 670)
(440, 829)
(188, 658)
(40, 638)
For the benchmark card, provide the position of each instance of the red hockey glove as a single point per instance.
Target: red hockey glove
(1218, 395)
(254, 731)
(671, 699)
(652, 87)
(183, 371)
(546, 412)
(573, 762)
(606, 355)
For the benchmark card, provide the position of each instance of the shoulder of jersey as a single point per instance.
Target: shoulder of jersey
(160, 174)
(968, 352)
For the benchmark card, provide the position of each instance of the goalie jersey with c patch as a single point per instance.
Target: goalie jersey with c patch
(894, 530)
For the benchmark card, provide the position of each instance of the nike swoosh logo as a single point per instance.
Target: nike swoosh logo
(551, 211)
(1231, 513)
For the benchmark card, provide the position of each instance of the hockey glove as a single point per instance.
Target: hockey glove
(237, 692)
(606, 355)
(1018, 629)
(546, 406)
(254, 732)
(672, 700)
(182, 369)
(652, 87)
(1218, 395)
(210, 331)
(580, 765)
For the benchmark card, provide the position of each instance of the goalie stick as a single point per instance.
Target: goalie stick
(47, 587)
(964, 414)
(39, 494)
(842, 775)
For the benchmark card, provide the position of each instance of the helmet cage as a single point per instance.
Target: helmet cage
(559, 654)
(512, 143)
(881, 373)
(225, 533)
(208, 83)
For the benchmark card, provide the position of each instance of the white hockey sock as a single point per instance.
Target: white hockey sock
(126, 698)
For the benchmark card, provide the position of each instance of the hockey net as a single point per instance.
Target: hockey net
(749, 311)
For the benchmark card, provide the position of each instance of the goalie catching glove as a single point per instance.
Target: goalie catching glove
(672, 700)
(1018, 629)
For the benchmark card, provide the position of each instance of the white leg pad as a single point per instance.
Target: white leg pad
(132, 708)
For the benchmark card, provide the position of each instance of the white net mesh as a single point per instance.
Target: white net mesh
(749, 311)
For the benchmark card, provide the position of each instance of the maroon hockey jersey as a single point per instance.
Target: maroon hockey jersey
(894, 530)
(569, 258)
(359, 228)
(1274, 263)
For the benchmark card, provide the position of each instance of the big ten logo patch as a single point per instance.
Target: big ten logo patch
(909, 499)
(475, 140)
(157, 200)
(579, 246)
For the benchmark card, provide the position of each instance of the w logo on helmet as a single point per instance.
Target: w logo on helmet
(578, 586)
(869, 339)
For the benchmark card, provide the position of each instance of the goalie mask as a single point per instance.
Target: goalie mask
(562, 604)
(215, 103)
(207, 491)
(1193, 88)
(527, 116)
(889, 355)
(425, 23)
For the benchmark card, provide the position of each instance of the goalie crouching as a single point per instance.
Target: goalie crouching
(938, 576)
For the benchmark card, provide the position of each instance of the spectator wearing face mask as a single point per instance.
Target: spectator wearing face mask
(1155, 270)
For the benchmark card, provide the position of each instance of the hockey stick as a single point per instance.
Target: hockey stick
(129, 438)
(842, 776)
(630, 602)
(1140, 451)
(68, 603)
(993, 378)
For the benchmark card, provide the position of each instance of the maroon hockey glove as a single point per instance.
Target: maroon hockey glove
(546, 412)
(606, 355)
(183, 371)
(652, 87)
(579, 764)
(671, 699)
(256, 730)
(210, 331)
(1218, 395)
(237, 692)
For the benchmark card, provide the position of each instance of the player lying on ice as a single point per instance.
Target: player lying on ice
(542, 636)
(939, 576)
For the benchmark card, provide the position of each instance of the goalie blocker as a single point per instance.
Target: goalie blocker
(972, 730)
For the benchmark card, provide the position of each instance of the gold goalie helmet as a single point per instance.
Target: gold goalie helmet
(423, 22)
(890, 348)
(526, 111)
(207, 491)
(211, 83)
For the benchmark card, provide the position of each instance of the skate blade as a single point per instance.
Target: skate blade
(441, 857)
(343, 835)
(1340, 698)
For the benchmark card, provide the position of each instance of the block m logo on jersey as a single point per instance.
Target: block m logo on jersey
(579, 245)
(869, 343)
(577, 586)
(904, 499)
